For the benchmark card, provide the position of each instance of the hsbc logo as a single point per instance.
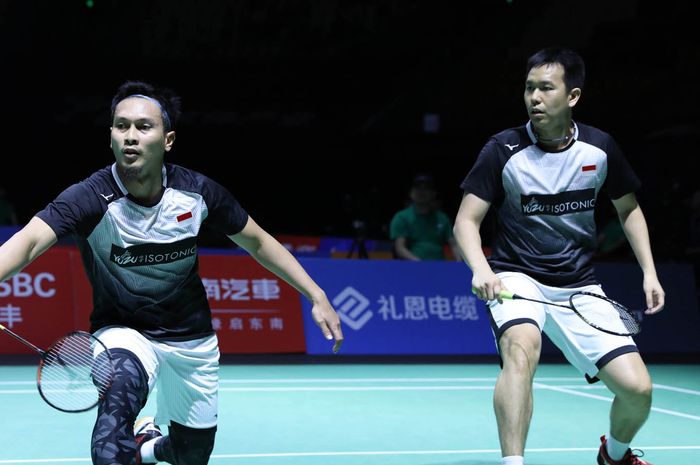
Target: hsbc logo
(352, 308)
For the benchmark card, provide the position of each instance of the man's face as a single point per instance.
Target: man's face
(423, 195)
(139, 140)
(547, 101)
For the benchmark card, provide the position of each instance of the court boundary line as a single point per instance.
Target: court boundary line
(345, 388)
(367, 453)
(356, 380)
(668, 387)
(610, 399)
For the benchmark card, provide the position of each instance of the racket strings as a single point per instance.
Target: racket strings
(72, 378)
(605, 314)
(628, 319)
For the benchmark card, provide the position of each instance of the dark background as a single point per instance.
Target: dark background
(311, 112)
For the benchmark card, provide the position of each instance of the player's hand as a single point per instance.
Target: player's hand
(487, 286)
(655, 295)
(327, 319)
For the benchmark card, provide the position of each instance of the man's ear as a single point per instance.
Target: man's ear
(169, 140)
(574, 95)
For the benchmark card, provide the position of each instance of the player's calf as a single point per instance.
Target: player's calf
(185, 445)
(113, 436)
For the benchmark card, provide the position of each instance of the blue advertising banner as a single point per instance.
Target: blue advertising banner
(398, 307)
(676, 329)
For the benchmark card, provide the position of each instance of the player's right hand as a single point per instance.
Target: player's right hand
(328, 321)
(487, 286)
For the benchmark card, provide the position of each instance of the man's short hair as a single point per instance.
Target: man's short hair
(574, 67)
(167, 100)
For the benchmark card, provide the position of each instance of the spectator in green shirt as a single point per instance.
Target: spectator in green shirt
(421, 231)
(7, 210)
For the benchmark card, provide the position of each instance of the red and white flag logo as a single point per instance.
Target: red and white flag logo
(588, 168)
(184, 216)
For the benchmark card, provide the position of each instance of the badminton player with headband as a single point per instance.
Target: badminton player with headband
(544, 179)
(136, 223)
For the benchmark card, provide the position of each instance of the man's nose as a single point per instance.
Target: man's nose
(130, 137)
(536, 96)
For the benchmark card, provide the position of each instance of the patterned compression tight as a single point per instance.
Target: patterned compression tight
(113, 435)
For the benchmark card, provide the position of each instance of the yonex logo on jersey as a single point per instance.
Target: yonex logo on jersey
(151, 254)
(107, 197)
(511, 147)
(352, 308)
(558, 204)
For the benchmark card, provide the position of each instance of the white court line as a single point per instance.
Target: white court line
(610, 399)
(372, 388)
(376, 380)
(354, 388)
(344, 380)
(666, 387)
(343, 388)
(369, 453)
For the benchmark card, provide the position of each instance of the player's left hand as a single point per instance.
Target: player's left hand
(655, 295)
(327, 319)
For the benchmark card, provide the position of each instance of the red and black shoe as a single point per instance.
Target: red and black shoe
(630, 458)
(145, 429)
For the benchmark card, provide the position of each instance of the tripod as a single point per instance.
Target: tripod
(358, 243)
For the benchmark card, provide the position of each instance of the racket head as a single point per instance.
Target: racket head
(604, 314)
(75, 372)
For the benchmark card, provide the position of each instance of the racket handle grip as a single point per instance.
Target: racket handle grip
(503, 294)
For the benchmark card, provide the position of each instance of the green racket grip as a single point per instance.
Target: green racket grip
(503, 294)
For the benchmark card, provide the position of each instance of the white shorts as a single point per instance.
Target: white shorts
(585, 347)
(185, 372)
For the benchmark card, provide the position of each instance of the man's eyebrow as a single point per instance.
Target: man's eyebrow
(542, 81)
(140, 118)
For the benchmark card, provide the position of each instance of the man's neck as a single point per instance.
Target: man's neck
(422, 209)
(146, 188)
(555, 138)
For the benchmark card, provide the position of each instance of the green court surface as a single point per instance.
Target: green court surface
(377, 414)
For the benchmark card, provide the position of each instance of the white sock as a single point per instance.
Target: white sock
(148, 454)
(513, 460)
(616, 449)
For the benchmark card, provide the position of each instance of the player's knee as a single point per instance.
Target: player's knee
(191, 446)
(130, 381)
(635, 390)
(520, 347)
(640, 391)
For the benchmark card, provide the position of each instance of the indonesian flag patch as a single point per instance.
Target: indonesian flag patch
(184, 216)
(588, 168)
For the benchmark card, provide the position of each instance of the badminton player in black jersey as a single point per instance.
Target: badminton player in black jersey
(136, 223)
(543, 179)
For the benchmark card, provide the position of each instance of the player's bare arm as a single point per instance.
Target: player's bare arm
(23, 247)
(456, 253)
(402, 250)
(635, 227)
(471, 213)
(273, 256)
